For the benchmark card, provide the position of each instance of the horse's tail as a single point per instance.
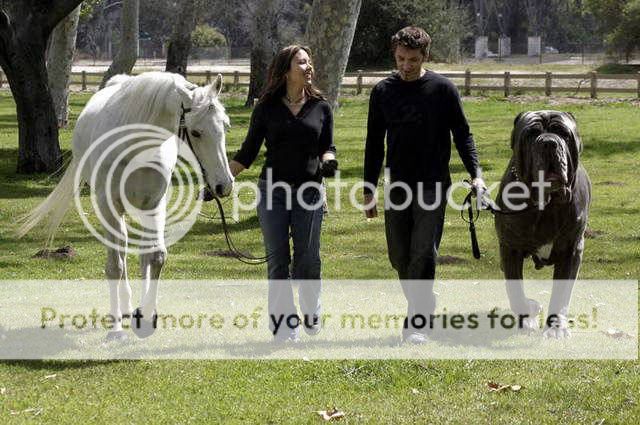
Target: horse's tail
(55, 206)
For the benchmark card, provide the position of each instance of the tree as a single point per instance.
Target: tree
(330, 31)
(446, 21)
(619, 23)
(180, 42)
(266, 40)
(59, 62)
(625, 38)
(128, 49)
(25, 27)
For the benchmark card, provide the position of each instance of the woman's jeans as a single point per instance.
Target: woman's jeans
(285, 210)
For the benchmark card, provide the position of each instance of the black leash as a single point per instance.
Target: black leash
(486, 203)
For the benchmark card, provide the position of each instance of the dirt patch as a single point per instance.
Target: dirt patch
(64, 253)
(610, 183)
(593, 234)
(224, 253)
(605, 261)
(450, 259)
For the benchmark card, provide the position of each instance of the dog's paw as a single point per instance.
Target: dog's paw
(557, 327)
(529, 319)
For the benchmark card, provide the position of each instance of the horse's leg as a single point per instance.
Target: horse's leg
(151, 265)
(125, 288)
(115, 270)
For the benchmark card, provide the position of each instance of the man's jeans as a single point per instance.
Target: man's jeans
(413, 238)
(277, 222)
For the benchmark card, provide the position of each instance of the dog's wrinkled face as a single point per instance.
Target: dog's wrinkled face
(546, 143)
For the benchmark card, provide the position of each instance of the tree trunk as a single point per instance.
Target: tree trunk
(330, 31)
(128, 50)
(61, 50)
(25, 27)
(180, 43)
(266, 40)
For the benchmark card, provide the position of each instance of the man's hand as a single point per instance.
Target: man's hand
(370, 209)
(478, 186)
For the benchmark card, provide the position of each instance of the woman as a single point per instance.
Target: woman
(296, 124)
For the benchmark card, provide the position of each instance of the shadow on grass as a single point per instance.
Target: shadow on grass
(213, 225)
(599, 148)
(21, 186)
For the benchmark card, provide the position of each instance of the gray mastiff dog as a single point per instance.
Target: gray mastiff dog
(545, 166)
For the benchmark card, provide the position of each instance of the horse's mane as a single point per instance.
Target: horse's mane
(144, 98)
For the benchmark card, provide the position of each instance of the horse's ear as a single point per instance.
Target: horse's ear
(216, 87)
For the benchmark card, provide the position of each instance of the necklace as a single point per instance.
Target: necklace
(297, 102)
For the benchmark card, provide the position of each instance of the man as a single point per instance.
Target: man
(417, 110)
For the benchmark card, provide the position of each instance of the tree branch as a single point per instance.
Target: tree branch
(57, 11)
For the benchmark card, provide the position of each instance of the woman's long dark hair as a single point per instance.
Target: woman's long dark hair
(276, 82)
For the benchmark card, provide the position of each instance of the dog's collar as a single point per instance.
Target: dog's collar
(514, 173)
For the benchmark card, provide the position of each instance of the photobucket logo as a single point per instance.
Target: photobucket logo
(516, 196)
(144, 173)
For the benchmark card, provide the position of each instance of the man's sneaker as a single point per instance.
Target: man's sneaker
(292, 336)
(313, 326)
(293, 339)
(415, 338)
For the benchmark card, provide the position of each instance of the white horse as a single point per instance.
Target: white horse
(158, 99)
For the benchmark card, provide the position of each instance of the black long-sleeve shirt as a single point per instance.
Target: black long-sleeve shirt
(418, 118)
(294, 144)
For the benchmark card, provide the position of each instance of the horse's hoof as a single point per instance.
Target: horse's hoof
(117, 336)
(141, 327)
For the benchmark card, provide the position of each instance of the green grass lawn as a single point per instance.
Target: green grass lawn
(367, 391)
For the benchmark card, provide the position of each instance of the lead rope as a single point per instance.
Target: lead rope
(183, 133)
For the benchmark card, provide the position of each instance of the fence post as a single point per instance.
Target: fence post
(236, 80)
(84, 80)
(467, 82)
(507, 84)
(594, 84)
(547, 84)
(1, 79)
(208, 77)
(359, 81)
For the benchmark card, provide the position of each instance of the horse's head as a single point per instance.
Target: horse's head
(206, 124)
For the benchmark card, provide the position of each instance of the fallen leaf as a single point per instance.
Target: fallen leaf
(616, 333)
(13, 412)
(329, 415)
(51, 376)
(415, 391)
(35, 410)
(495, 387)
(3, 391)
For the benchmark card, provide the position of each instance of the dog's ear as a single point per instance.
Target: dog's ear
(514, 131)
(572, 117)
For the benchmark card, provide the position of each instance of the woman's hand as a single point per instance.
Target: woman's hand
(329, 164)
(235, 167)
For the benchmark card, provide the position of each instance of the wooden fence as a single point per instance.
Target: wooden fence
(508, 83)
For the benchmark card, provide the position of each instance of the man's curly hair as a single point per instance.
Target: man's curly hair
(412, 38)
